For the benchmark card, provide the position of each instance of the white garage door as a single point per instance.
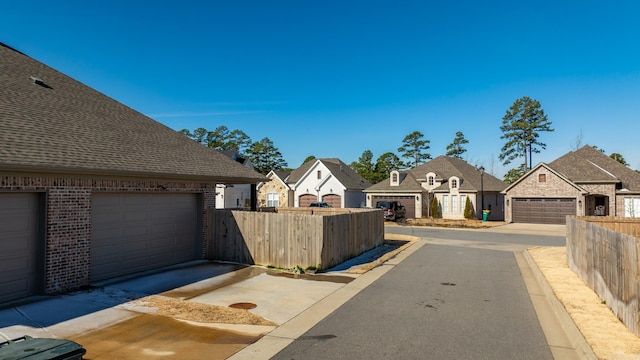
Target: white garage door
(19, 228)
(137, 232)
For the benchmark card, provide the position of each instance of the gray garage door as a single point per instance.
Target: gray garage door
(407, 201)
(19, 228)
(543, 211)
(137, 232)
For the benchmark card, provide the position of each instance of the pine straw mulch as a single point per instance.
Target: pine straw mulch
(608, 337)
(198, 312)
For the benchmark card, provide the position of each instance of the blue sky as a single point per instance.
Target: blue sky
(335, 78)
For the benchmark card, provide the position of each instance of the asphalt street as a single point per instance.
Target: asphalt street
(460, 296)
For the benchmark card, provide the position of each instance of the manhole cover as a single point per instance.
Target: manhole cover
(243, 305)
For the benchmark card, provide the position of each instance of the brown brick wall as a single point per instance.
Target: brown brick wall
(68, 218)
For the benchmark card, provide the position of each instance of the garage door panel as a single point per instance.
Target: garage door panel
(543, 210)
(141, 231)
(19, 244)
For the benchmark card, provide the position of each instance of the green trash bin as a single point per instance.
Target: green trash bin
(485, 215)
(29, 348)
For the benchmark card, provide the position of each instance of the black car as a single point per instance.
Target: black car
(319, 204)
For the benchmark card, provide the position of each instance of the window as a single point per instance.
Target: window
(431, 181)
(454, 184)
(395, 177)
(272, 200)
(632, 207)
(319, 174)
(463, 202)
(454, 203)
(542, 177)
(445, 203)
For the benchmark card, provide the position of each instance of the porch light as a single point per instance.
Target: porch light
(580, 204)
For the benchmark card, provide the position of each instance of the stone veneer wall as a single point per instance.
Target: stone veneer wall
(273, 186)
(68, 218)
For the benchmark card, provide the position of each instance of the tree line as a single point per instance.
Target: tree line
(521, 128)
(263, 154)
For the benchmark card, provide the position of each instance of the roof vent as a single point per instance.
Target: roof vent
(38, 81)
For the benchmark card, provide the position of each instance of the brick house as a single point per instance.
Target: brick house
(91, 189)
(275, 193)
(450, 180)
(329, 180)
(584, 182)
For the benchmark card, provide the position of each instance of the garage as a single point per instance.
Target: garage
(306, 200)
(137, 232)
(407, 201)
(19, 230)
(543, 210)
(333, 200)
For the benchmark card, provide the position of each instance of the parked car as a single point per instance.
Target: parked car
(319, 204)
(393, 210)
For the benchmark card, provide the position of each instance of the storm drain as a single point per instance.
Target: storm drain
(243, 305)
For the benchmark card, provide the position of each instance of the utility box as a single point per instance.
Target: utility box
(29, 348)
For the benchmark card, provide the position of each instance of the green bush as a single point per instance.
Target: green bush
(468, 209)
(435, 211)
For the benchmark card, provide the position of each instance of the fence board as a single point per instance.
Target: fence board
(317, 237)
(604, 254)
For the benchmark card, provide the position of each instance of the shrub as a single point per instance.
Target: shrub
(435, 211)
(468, 209)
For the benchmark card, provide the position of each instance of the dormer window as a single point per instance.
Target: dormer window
(395, 178)
(454, 183)
(431, 180)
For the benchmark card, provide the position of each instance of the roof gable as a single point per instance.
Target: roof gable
(50, 122)
(343, 173)
(548, 168)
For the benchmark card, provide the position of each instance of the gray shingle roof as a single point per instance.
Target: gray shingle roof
(408, 183)
(587, 165)
(50, 122)
(346, 175)
(445, 167)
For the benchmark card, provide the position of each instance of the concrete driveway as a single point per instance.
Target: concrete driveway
(113, 319)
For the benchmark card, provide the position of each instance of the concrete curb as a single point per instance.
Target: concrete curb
(571, 330)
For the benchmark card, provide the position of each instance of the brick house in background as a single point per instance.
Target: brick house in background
(91, 189)
(275, 193)
(450, 180)
(584, 182)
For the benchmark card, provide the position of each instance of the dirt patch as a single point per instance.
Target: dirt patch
(396, 242)
(608, 337)
(159, 337)
(471, 224)
(204, 313)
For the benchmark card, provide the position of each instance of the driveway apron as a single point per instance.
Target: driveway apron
(442, 302)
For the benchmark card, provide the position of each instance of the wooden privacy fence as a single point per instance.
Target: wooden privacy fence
(321, 239)
(607, 260)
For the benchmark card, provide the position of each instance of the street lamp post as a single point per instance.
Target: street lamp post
(481, 169)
